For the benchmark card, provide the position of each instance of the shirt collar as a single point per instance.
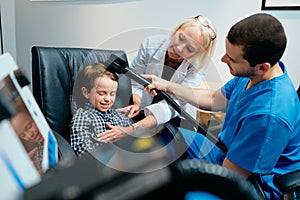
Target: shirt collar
(88, 106)
(161, 51)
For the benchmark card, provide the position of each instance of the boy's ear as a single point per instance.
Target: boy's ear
(85, 92)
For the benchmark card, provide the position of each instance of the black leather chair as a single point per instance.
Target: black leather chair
(298, 91)
(54, 70)
(289, 184)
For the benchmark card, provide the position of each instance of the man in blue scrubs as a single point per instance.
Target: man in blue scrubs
(261, 105)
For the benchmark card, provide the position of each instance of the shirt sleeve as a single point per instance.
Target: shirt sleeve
(139, 65)
(84, 128)
(228, 87)
(193, 78)
(161, 111)
(80, 133)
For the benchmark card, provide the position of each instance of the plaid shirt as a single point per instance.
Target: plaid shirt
(88, 122)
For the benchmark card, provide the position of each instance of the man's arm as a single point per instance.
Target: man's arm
(200, 97)
(233, 167)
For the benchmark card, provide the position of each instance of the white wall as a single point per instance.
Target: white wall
(8, 26)
(122, 24)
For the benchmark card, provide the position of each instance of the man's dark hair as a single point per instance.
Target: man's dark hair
(262, 37)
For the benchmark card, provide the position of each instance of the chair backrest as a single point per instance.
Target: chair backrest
(54, 70)
(298, 92)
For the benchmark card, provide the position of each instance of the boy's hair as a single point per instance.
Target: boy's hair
(262, 37)
(86, 78)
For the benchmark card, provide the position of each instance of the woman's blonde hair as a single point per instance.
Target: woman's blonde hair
(209, 37)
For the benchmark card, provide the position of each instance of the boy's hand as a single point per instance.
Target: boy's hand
(115, 133)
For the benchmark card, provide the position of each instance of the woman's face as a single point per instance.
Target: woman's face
(185, 43)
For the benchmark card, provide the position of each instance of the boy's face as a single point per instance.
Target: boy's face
(102, 95)
(25, 127)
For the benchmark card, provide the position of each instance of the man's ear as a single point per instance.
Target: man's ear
(263, 67)
(84, 92)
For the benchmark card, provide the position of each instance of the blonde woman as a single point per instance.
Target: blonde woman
(179, 58)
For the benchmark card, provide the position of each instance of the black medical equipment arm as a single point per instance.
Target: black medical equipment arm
(119, 66)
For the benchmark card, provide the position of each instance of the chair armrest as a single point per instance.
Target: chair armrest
(65, 150)
(288, 182)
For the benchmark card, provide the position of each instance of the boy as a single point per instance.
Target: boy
(94, 93)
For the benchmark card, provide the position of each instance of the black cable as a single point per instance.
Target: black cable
(118, 65)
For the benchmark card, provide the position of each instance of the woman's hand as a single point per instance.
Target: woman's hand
(115, 133)
(156, 83)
